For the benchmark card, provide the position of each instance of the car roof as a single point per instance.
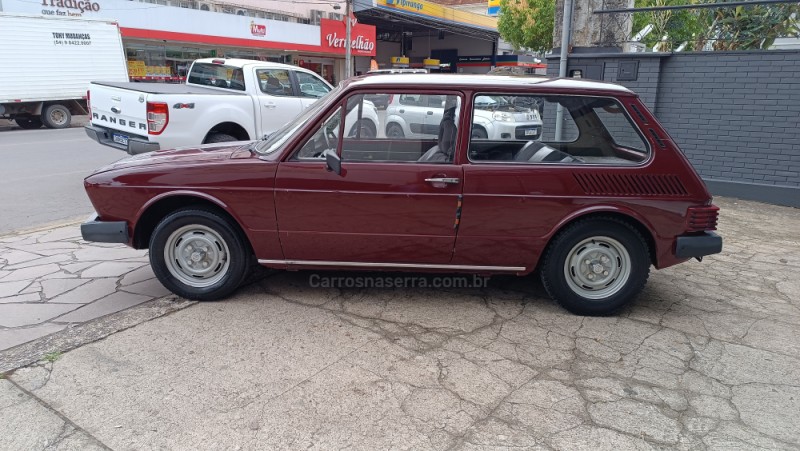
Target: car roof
(486, 81)
(241, 62)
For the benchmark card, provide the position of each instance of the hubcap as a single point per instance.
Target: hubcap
(58, 116)
(597, 267)
(197, 256)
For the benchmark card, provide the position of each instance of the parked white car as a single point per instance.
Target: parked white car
(222, 100)
(495, 118)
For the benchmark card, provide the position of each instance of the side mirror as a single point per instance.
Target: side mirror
(333, 162)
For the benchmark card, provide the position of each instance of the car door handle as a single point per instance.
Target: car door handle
(270, 105)
(402, 111)
(449, 180)
(430, 113)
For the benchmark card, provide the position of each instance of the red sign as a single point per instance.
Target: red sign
(257, 29)
(333, 37)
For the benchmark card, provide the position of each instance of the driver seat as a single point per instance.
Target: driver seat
(443, 151)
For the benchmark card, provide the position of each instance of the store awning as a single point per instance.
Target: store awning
(421, 16)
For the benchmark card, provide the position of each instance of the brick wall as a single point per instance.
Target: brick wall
(736, 115)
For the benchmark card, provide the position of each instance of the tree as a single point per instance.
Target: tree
(670, 28)
(753, 27)
(527, 24)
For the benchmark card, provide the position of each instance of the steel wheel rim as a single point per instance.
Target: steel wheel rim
(58, 117)
(597, 267)
(395, 131)
(197, 256)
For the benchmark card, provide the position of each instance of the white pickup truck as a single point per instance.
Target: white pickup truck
(222, 100)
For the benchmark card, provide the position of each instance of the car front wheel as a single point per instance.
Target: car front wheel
(596, 266)
(198, 255)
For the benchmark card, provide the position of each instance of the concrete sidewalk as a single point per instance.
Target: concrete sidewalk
(707, 358)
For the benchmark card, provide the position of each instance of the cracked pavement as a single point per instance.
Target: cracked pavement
(707, 358)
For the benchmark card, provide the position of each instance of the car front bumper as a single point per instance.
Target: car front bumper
(698, 245)
(516, 130)
(104, 231)
(135, 145)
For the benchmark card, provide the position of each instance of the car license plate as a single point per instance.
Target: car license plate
(530, 132)
(121, 139)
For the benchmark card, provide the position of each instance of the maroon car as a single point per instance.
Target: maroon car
(577, 180)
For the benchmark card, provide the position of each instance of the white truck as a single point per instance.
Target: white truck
(222, 100)
(46, 64)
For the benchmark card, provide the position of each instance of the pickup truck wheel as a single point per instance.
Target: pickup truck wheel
(596, 266)
(28, 122)
(198, 255)
(56, 116)
(219, 138)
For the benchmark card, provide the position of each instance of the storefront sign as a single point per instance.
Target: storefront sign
(493, 8)
(68, 7)
(435, 11)
(333, 37)
(257, 29)
(475, 59)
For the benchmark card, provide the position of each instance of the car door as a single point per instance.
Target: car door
(384, 209)
(277, 102)
(309, 87)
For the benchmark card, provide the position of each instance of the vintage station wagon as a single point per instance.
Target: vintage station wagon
(589, 203)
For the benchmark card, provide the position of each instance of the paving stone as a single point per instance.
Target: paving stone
(17, 256)
(713, 407)
(590, 438)
(768, 408)
(35, 287)
(12, 288)
(54, 287)
(31, 273)
(774, 336)
(110, 269)
(138, 275)
(102, 254)
(58, 258)
(20, 298)
(16, 315)
(77, 267)
(636, 418)
(152, 288)
(13, 337)
(87, 292)
(109, 304)
(61, 234)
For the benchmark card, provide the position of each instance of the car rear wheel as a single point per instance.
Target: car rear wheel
(198, 254)
(56, 116)
(28, 122)
(596, 266)
(219, 138)
(394, 131)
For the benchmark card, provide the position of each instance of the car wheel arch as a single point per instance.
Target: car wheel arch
(160, 206)
(228, 128)
(612, 213)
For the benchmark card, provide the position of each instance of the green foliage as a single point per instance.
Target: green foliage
(527, 24)
(735, 28)
(52, 356)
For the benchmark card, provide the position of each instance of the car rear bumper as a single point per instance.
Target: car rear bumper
(698, 245)
(104, 231)
(134, 146)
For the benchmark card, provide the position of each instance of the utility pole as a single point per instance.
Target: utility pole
(348, 71)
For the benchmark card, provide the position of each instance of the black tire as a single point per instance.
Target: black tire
(56, 116)
(189, 230)
(368, 130)
(28, 122)
(219, 138)
(565, 275)
(479, 132)
(394, 130)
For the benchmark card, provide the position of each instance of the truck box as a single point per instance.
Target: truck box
(46, 64)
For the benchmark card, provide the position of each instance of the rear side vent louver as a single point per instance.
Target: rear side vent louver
(631, 185)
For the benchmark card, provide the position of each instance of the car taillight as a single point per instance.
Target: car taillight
(391, 97)
(89, 102)
(157, 117)
(700, 219)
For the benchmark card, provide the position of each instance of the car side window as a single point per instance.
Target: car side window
(400, 134)
(275, 82)
(325, 139)
(529, 129)
(311, 85)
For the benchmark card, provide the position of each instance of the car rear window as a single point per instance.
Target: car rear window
(217, 75)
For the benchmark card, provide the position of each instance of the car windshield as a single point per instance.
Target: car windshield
(277, 139)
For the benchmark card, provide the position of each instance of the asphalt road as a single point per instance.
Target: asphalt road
(41, 176)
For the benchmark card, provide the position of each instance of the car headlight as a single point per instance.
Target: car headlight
(503, 116)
